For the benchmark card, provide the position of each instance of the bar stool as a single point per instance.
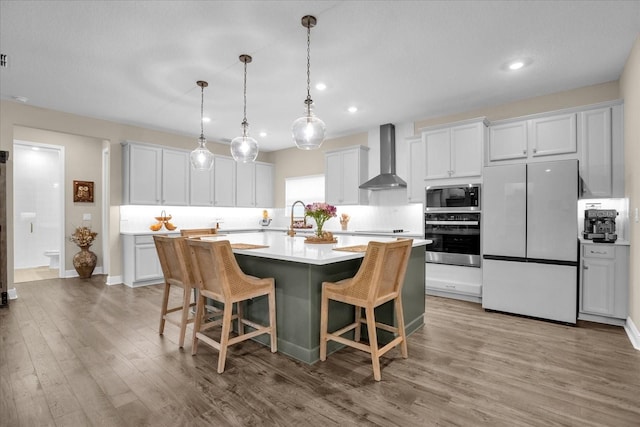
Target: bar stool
(196, 232)
(220, 278)
(378, 280)
(175, 263)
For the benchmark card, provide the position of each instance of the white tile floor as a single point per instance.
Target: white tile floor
(33, 274)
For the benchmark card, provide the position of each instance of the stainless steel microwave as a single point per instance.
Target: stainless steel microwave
(465, 197)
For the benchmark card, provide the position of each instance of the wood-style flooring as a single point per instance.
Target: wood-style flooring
(76, 352)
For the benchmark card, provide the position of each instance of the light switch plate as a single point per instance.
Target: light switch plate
(86, 217)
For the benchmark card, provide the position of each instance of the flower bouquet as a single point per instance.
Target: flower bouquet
(320, 212)
(83, 236)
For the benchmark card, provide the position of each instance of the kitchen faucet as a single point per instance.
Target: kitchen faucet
(291, 232)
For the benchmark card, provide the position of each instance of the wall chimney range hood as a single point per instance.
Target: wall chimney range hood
(387, 178)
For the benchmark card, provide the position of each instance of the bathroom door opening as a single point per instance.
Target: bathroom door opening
(38, 205)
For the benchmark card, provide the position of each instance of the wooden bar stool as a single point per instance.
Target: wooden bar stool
(197, 232)
(175, 263)
(378, 280)
(219, 277)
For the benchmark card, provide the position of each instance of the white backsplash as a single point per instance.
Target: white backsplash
(408, 217)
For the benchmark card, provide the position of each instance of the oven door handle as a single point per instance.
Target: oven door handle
(452, 223)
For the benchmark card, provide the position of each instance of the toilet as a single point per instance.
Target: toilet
(54, 258)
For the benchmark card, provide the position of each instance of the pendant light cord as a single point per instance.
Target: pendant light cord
(244, 120)
(308, 100)
(202, 112)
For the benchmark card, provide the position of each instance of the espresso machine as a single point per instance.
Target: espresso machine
(600, 225)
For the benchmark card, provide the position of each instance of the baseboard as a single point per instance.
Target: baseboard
(114, 280)
(633, 333)
(453, 295)
(73, 273)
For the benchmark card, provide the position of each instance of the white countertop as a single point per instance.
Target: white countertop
(285, 248)
(408, 234)
(616, 243)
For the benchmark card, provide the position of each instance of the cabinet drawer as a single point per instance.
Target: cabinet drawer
(144, 240)
(593, 251)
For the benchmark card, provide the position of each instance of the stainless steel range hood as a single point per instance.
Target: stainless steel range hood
(387, 178)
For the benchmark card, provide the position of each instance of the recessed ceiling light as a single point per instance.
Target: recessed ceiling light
(206, 119)
(263, 134)
(516, 65)
(352, 109)
(321, 86)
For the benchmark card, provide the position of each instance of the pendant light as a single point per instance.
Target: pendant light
(201, 157)
(244, 148)
(308, 131)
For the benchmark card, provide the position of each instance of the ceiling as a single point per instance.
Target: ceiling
(137, 62)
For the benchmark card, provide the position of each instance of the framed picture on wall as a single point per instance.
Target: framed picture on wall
(83, 191)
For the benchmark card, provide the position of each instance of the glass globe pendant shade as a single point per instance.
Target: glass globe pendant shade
(308, 131)
(201, 158)
(244, 148)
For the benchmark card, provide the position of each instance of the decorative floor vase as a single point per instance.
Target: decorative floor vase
(85, 262)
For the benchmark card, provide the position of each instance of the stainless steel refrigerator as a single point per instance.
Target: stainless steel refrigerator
(530, 239)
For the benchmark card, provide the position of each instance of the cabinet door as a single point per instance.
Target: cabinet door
(333, 178)
(466, 150)
(508, 141)
(147, 265)
(264, 185)
(145, 175)
(594, 134)
(224, 181)
(201, 187)
(350, 178)
(175, 177)
(415, 183)
(598, 278)
(438, 154)
(245, 185)
(553, 135)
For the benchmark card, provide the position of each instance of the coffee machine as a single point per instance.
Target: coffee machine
(600, 225)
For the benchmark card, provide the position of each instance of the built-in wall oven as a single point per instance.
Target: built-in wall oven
(452, 222)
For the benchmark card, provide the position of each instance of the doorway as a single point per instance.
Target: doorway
(38, 200)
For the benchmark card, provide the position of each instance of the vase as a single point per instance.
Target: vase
(85, 262)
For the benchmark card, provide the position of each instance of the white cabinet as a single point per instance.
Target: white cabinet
(604, 283)
(415, 181)
(454, 151)
(553, 135)
(600, 147)
(201, 187)
(142, 174)
(254, 185)
(264, 185)
(507, 141)
(549, 135)
(224, 181)
(345, 170)
(153, 175)
(140, 261)
(175, 177)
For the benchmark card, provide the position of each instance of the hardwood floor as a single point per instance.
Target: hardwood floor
(78, 353)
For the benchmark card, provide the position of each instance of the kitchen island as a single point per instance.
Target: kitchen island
(299, 269)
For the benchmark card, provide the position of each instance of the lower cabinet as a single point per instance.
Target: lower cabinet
(141, 265)
(604, 283)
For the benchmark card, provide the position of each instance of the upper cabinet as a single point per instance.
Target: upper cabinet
(175, 177)
(601, 153)
(345, 170)
(454, 151)
(536, 137)
(224, 181)
(415, 177)
(153, 175)
(592, 134)
(156, 175)
(254, 185)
